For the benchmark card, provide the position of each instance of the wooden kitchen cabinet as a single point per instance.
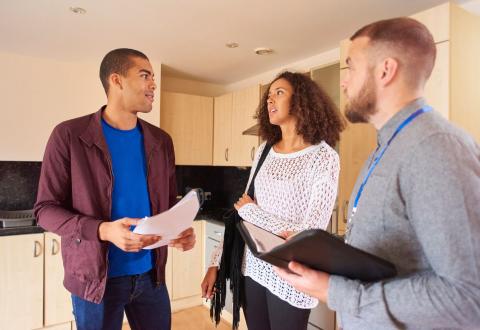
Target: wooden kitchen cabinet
(356, 143)
(184, 273)
(21, 281)
(58, 302)
(222, 130)
(189, 121)
(233, 114)
(453, 88)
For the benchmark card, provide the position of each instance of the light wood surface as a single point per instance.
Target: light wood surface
(357, 141)
(187, 268)
(222, 129)
(189, 121)
(245, 103)
(437, 88)
(196, 318)
(437, 20)
(21, 281)
(465, 71)
(58, 302)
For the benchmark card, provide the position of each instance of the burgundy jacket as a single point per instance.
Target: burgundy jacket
(75, 196)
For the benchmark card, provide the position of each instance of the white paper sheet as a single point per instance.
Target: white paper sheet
(172, 222)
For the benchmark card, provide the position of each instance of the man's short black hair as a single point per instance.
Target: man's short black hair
(117, 61)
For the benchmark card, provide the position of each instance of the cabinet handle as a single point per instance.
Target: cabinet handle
(226, 154)
(252, 153)
(345, 210)
(218, 233)
(37, 249)
(55, 247)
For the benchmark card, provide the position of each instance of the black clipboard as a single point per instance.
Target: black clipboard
(316, 249)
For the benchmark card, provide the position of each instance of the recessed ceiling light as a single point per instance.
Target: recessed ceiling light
(263, 51)
(78, 10)
(231, 45)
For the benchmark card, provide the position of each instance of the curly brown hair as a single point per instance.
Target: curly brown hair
(317, 116)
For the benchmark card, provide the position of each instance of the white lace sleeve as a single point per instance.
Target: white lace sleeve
(216, 256)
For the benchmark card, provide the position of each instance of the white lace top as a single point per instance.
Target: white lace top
(294, 192)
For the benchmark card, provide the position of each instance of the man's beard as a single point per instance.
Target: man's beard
(360, 108)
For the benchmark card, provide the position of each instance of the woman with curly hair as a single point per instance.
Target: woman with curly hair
(295, 190)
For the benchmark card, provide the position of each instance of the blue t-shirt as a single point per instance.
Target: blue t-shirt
(130, 195)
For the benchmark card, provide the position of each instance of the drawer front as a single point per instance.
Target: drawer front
(214, 230)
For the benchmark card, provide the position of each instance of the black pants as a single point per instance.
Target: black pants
(265, 311)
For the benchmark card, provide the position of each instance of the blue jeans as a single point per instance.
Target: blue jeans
(147, 306)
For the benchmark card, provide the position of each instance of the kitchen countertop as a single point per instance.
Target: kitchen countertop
(21, 230)
(212, 214)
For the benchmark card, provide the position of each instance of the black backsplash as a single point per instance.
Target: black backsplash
(19, 183)
(225, 183)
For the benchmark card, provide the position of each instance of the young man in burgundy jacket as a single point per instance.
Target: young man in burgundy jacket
(100, 174)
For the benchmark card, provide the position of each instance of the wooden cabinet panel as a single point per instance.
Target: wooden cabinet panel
(189, 121)
(344, 44)
(168, 272)
(222, 132)
(437, 20)
(464, 55)
(245, 103)
(58, 302)
(187, 268)
(21, 281)
(438, 86)
(357, 142)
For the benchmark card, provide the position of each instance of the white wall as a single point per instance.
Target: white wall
(37, 93)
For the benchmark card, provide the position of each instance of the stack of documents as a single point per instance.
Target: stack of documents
(172, 222)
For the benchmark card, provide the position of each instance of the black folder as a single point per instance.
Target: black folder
(316, 249)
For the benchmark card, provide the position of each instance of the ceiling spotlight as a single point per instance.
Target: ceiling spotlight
(78, 10)
(263, 51)
(231, 45)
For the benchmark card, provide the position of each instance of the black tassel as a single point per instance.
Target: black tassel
(230, 269)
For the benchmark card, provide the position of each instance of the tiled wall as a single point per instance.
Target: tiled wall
(226, 184)
(19, 183)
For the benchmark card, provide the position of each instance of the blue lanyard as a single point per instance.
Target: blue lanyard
(377, 159)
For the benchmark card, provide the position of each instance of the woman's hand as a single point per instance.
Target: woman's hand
(287, 234)
(245, 199)
(208, 283)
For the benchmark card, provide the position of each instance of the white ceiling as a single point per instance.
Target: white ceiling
(189, 36)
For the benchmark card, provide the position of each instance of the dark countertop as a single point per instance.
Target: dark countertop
(212, 214)
(21, 230)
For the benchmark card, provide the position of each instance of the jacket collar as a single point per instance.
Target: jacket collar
(93, 135)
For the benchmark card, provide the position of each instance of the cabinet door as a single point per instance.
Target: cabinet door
(189, 121)
(245, 103)
(437, 21)
(187, 268)
(168, 272)
(357, 141)
(21, 281)
(222, 130)
(58, 302)
(437, 88)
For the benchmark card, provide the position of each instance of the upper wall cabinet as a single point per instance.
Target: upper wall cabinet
(233, 114)
(189, 121)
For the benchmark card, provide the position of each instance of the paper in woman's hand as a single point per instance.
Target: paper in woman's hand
(172, 222)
